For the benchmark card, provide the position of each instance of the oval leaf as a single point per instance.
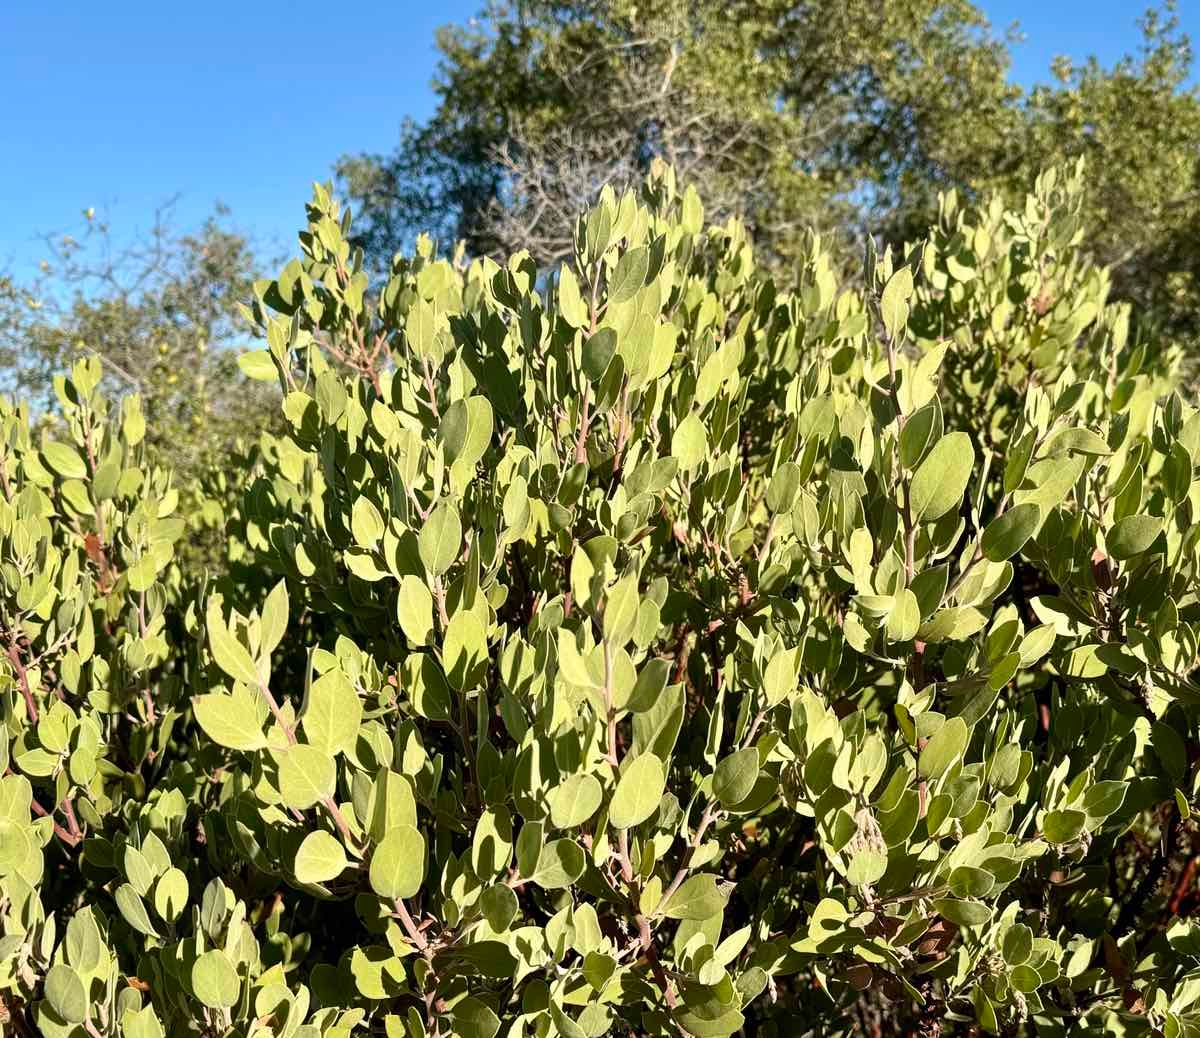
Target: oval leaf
(639, 792)
(941, 479)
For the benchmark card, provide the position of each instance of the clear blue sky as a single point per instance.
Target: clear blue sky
(120, 105)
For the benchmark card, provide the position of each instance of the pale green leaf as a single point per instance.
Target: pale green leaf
(320, 858)
(307, 774)
(639, 792)
(440, 539)
(215, 981)
(398, 864)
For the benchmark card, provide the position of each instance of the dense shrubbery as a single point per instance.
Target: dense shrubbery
(644, 646)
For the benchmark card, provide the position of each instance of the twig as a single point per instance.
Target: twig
(610, 712)
(410, 927)
(1151, 878)
(14, 656)
(706, 820)
(65, 836)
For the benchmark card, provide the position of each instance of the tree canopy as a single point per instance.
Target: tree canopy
(161, 309)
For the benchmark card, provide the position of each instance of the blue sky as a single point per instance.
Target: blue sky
(121, 105)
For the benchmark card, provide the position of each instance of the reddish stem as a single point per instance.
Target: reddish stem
(14, 656)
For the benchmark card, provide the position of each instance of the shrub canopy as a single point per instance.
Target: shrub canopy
(643, 646)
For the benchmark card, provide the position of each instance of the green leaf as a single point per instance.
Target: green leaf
(307, 775)
(955, 623)
(1006, 534)
(699, 897)
(985, 1011)
(414, 609)
(171, 894)
(1132, 536)
(274, 617)
(398, 864)
(560, 863)
(570, 301)
(968, 881)
(941, 479)
(1170, 749)
(15, 844)
(464, 650)
(817, 417)
(427, 687)
(1050, 480)
(1017, 944)
(366, 524)
(621, 611)
(866, 868)
(394, 804)
(530, 842)
(133, 910)
(689, 444)
(893, 302)
(440, 539)
(1078, 439)
(735, 776)
(1063, 826)
(473, 1019)
(133, 421)
(332, 714)
(1025, 979)
(930, 588)
(1104, 798)
(692, 217)
(779, 676)
(1037, 642)
(905, 617)
(713, 1019)
(1016, 463)
(564, 1024)
(629, 275)
(492, 844)
(420, 328)
(639, 792)
(258, 365)
(229, 653)
(946, 746)
(232, 721)
(65, 993)
(141, 1023)
(64, 460)
(142, 573)
(499, 904)
(319, 858)
(598, 352)
(215, 981)
(574, 801)
(963, 913)
(784, 486)
(920, 428)
(466, 430)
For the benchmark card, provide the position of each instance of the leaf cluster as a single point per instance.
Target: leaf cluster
(642, 645)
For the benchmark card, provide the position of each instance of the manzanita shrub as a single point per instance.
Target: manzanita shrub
(640, 647)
